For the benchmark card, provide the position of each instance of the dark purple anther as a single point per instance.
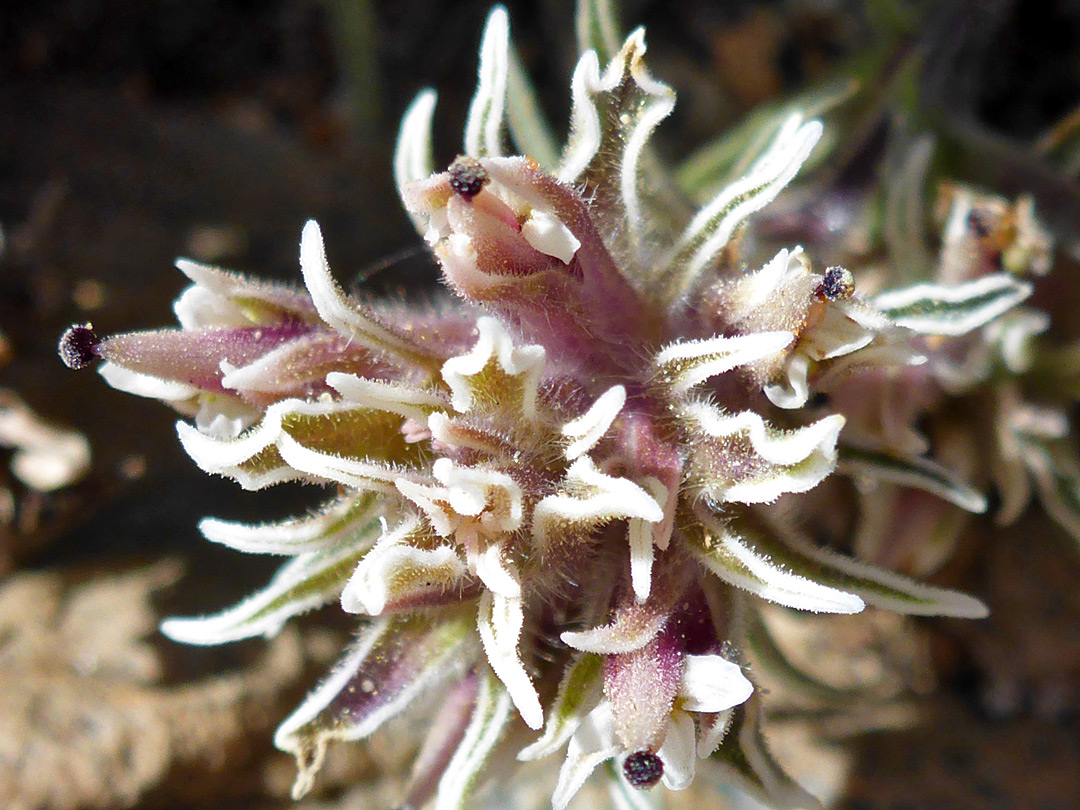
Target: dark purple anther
(837, 284)
(468, 177)
(643, 769)
(78, 346)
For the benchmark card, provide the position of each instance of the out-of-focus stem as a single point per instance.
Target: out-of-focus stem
(355, 32)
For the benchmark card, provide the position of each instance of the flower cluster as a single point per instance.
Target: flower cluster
(558, 496)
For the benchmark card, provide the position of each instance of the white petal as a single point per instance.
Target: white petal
(711, 683)
(200, 307)
(143, 385)
(640, 535)
(429, 499)
(592, 744)
(756, 289)
(797, 391)
(472, 490)
(712, 731)
(679, 752)
(549, 235)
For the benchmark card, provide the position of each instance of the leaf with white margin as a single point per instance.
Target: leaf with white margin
(579, 690)
(911, 471)
(490, 717)
(412, 403)
(500, 621)
(630, 630)
(413, 159)
(746, 762)
(529, 127)
(713, 227)
(611, 119)
(952, 310)
(464, 433)
(904, 204)
(1015, 334)
(597, 29)
(398, 572)
(484, 126)
(333, 523)
(1057, 485)
(363, 474)
(589, 498)
(731, 154)
(592, 744)
(264, 469)
(733, 560)
(495, 373)
(794, 460)
(590, 427)
(687, 363)
(349, 318)
(220, 298)
(293, 368)
(395, 659)
(331, 432)
(309, 581)
(873, 585)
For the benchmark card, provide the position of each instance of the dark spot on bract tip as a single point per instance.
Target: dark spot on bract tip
(468, 177)
(643, 769)
(78, 346)
(837, 284)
